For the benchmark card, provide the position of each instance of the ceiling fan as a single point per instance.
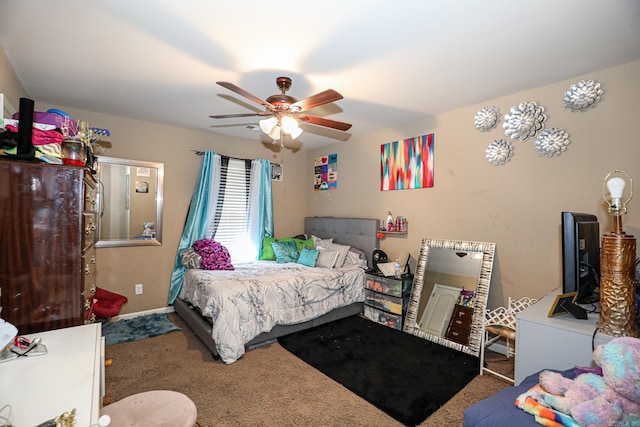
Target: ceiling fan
(284, 111)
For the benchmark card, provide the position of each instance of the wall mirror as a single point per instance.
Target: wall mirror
(443, 270)
(130, 200)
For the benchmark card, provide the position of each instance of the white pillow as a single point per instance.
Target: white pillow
(343, 251)
(354, 259)
(327, 258)
(319, 242)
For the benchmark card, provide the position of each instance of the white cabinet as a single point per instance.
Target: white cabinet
(560, 342)
(69, 376)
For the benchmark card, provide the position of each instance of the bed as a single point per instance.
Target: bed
(299, 298)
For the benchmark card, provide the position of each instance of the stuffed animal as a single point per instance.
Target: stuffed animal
(595, 400)
(149, 229)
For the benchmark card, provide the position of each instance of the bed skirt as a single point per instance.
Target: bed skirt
(202, 327)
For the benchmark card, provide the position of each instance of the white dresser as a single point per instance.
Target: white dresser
(70, 375)
(560, 342)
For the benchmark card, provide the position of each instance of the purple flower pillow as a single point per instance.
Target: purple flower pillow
(214, 255)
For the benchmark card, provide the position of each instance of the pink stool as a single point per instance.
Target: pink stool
(158, 408)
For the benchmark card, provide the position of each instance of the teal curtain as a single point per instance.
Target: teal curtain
(260, 218)
(202, 205)
(266, 200)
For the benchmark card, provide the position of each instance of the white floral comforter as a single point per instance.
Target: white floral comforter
(258, 295)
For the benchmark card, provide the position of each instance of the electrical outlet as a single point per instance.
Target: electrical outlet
(138, 288)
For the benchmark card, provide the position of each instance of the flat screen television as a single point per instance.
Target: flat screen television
(581, 256)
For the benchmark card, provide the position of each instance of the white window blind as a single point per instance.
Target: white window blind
(233, 215)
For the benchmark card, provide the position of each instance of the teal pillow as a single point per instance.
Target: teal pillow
(266, 254)
(285, 251)
(308, 257)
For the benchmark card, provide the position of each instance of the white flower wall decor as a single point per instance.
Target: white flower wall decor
(524, 121)
(486, 119)
(499, 152)
(551, 142)
(582, 95)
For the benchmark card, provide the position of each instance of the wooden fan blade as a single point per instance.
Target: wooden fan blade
(246, 94)
(317, 100)
(228, 116)
(321, 121)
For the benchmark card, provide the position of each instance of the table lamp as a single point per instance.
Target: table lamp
(617, 263)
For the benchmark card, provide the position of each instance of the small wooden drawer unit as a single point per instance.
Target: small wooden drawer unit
(460, 324)
(387, 298)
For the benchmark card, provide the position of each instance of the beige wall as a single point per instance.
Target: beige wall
(9, 84)
(120, 268)
(517, 205)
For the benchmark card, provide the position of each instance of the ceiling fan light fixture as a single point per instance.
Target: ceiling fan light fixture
(284, 110)
(267, 125)
(275, 133)
(290, 126)
(295, 133)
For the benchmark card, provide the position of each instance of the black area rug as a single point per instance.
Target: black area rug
(405, 376)
(137, 328)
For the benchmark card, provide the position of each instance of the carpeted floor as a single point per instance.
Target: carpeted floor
(267, 387)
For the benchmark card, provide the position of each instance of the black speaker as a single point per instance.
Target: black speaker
(25, 129)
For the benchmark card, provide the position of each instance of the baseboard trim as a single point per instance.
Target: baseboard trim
(168, 309)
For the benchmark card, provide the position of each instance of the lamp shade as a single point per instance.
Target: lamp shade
(267, 125)
(274, 126)
(291, 127)
(275, 133)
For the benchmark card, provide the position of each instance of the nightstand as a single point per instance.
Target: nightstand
(386, 298)
(571, 341)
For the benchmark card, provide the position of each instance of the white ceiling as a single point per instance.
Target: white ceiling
(393, 61)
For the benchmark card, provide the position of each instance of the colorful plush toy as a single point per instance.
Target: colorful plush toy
(594, 400)
(149, 229)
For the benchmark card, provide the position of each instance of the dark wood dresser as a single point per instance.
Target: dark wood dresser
(460, 325)
(47, 236)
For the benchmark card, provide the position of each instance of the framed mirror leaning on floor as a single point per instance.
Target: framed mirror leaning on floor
(444, 269)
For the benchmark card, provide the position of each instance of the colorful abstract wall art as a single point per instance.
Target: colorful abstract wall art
(326, 173)
(407, 164)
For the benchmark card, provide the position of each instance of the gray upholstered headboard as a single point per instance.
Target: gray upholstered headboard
(357, 232)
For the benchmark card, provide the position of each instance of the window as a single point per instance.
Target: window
(233, 198)
(230, 222)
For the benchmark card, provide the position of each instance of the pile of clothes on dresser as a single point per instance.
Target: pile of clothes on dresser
(49, 131)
